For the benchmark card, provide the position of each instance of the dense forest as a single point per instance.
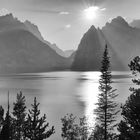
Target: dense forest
(24, 124)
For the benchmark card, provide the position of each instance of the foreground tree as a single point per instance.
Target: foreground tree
(7, 128)
(69, 128)
(84, 129)
(1, 117)
(106, 107)
(129, 127)
(19, 113)
(72, 130)
(35, 125)
(98, 133)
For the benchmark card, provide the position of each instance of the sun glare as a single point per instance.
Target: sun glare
(91, 12)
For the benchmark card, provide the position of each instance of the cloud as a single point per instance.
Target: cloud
(68, 26)
(48, 11)
(64, 13)
(103, 9)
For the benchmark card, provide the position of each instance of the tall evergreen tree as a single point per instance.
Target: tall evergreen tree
(19, 113)
(129, 127)
(7, 129)
(6, 133)
(1, 117)
(106, 107)
(36, 126)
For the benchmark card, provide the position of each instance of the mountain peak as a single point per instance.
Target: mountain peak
(88, 55)
(119, 21)
(9, 22)
(91, 31)
(8, 17)
(92, 28)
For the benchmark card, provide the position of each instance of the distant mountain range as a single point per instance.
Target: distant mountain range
(22, 49)
(123, 41)
(135, 23)
(34, 30)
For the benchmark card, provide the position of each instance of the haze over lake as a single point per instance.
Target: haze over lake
(60, 93)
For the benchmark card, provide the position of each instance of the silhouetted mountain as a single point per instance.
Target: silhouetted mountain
(8, 22)
(135, 23)
(22, 51)
(124, 39)
(35, 31)
(72, 57)
(57, 49)
(123, 42)
(88, 55)
(68, 53)
(115, 61)
(119, 22)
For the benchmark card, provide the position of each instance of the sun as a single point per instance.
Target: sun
(91, 12)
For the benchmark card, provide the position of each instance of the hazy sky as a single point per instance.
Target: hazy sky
(63, 21)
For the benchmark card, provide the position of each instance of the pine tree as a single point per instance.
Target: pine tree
(1, 117)
(7, 133)
(70, 129)
(106, 107)
(97, 134)
(35, 125)
(83, 128)
(19, 113)
(129, 127)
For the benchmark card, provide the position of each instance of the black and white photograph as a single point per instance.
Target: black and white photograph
(69, 69)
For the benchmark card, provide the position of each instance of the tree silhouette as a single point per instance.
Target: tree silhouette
(106, 107)
(72, 130)
(69, 127)
(35, 125)
(98, 133)
(1, 117)
(7, 129)
(83, 128)
(19, 113)
(129, 127)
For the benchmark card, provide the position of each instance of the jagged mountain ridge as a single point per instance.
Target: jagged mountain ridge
(21, 51)
(123, 42)
(124, 39)
(88, 55)
(34, 30)
(8, 22)
(135, 23)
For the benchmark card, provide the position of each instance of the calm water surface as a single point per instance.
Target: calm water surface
(60, 93)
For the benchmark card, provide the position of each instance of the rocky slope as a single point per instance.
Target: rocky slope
(22, 51)
(122, 40)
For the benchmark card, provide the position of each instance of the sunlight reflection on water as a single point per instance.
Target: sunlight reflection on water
(88, 93)
(60, 93)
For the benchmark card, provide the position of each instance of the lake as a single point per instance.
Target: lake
(60, 93)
